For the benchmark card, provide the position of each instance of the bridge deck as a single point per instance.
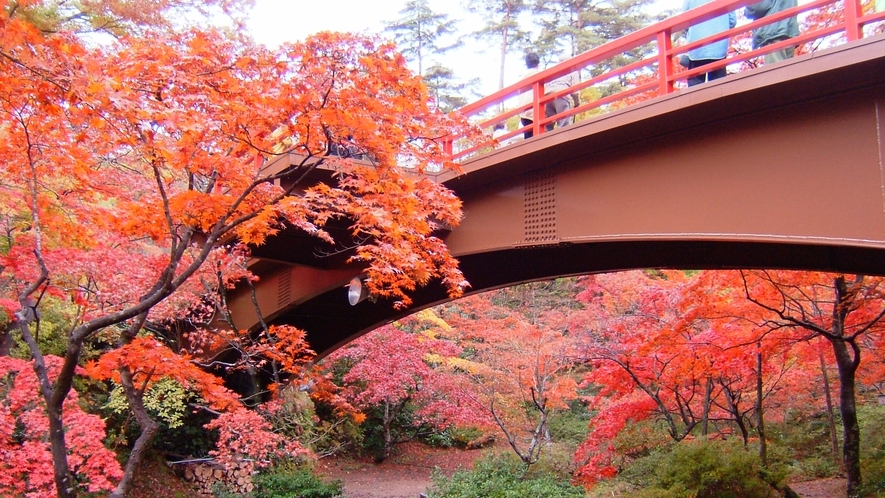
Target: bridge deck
(778, 167)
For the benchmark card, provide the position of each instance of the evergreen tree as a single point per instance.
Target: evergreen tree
(446, 91)
(419, 33)
(570, 27)
(502, 26)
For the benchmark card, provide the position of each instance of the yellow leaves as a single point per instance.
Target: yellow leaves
(471, 367)
(429, 318)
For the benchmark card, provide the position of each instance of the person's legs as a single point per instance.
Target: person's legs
(527, 122)
(779, 55)
(555, 107)
(716, 74)
(703, 77)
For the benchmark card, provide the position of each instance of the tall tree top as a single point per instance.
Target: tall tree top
(122, 17)
(420, 32)
(501, 25)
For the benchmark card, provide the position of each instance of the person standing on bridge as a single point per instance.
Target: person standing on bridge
(708, 53)
(552, 107)
(562, 103)
(776, 31)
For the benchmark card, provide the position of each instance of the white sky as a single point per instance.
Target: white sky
(275, 21)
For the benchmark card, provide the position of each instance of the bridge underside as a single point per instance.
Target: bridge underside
(779, 167)
(332, 322)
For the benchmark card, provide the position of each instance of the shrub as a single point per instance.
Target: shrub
(288, 482)
(500, 477)
(570, 426)
(451, 437)
(702, 470)
(872, 454)
(557, 459)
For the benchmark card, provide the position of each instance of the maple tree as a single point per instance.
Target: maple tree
(128, 164)
(520, 364)
(683, 348)
(245, 437)
(393, 370)
(640, 366)
(844, 311)
(25, 456)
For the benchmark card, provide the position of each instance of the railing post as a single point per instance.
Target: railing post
(448, 148)
(537, 115)
(665, 62)
(852, 13)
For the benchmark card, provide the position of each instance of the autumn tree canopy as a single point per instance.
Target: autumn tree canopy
(131, 164)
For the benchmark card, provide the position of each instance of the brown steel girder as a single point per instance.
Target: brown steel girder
(780, 167)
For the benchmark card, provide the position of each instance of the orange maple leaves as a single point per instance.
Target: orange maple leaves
(148, 360)
(127, 166)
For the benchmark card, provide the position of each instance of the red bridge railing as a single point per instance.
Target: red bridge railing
(838, 22)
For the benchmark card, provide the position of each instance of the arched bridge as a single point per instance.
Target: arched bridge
(777, 166)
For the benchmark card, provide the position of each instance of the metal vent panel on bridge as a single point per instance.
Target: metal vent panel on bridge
(284, 289)
(540, 209)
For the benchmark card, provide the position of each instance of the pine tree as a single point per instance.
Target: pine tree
(502, 26)
(420, 32)
(570, 27)
(447, 92)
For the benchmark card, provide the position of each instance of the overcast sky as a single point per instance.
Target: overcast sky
(276, 21)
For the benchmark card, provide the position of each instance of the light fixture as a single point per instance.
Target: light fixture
(356, 291)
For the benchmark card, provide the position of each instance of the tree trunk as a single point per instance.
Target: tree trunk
(850, 426)
(5, 343)
(63, 479)
(708, 391)
(735, 413)
(847, 361)
(149, 429)
(385, 427)
(504, 42)
(54, 396)
(763, 449)
(831, 419)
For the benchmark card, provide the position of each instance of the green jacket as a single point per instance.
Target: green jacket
(776, 31)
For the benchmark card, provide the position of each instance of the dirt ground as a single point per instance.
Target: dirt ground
(407, 474)
(820, 488)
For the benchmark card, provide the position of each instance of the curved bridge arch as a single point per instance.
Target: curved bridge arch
(780, 167)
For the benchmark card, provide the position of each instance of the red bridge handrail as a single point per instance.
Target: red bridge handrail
(487, 112)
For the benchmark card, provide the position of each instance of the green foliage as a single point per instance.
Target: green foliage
(547, 295)
(315, 425)
(816, 465)
(50, 331)
(401, 429)
(287, 482)
(872, 453)
(570, 425)
(713, 469)
(807, 438)
(181, 428)
(451, 437)
(165, 400)
(500, 477)
(191, 438)
(557, 459)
